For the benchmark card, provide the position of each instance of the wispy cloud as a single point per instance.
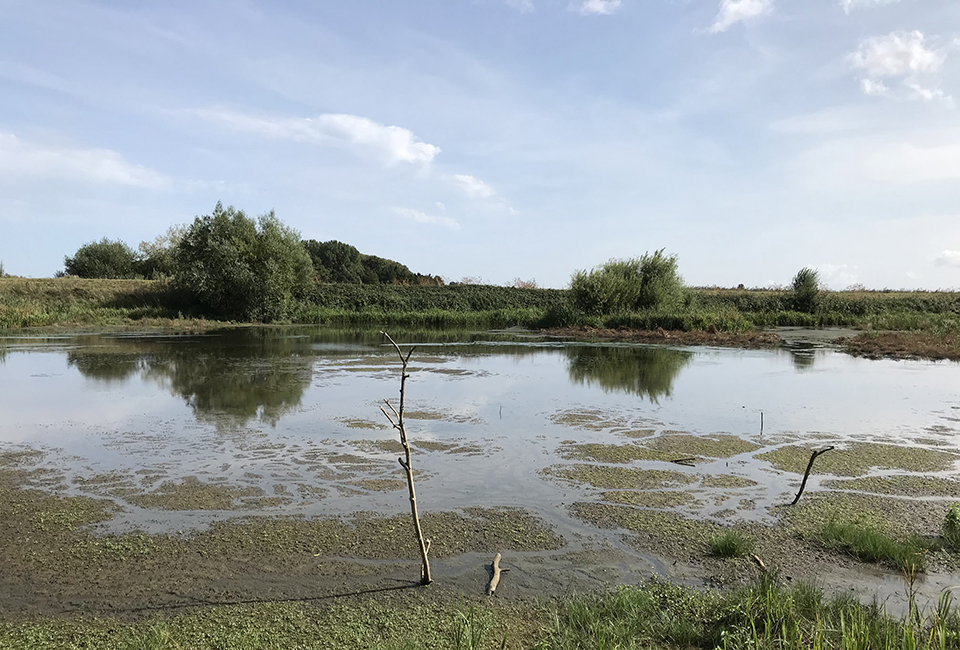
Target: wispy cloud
(21, 159)
(903, 56)
(598, 7)
(473, 187)
(736, 11)
(523, 6)
(423, 217)
(393, 144)
(850, 5)
(948, 258)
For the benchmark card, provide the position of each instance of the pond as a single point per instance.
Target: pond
(178, 429)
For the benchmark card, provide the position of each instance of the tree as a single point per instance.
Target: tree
(155, 259)
(334, 261)
(239, 268)
(806, 290)
(379, 270)
(648, 282)
(102, 259)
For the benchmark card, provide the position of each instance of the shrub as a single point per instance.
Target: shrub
(102, 259)
(648, 282)
(155, 258)
(239, 268)
(806, 290)
(334, 261)
(951, 527)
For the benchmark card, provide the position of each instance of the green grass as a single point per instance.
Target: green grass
(731, 543)
(764, 615)
(73, 301)
(870, 544)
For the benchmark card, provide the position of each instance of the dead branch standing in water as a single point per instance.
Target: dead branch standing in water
(806, 474)
(397, 422)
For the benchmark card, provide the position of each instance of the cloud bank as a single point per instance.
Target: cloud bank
(736, 11)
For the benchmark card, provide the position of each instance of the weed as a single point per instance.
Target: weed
(868, 543)
(731, 543)
(951, 527)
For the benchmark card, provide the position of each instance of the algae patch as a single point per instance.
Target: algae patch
(913, 486)
(619, 477)
(858, 458)
(193, 494)
(713, 446)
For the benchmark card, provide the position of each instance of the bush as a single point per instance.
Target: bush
(951, 527)
(155, 258)
(102, 259)
(648, 282)
(806, 290)
(334, 261)
(242, 269)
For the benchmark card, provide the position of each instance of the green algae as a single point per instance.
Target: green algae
(913, 486)
(380, 484)
(604, 453)
(713, 446)
(858, 458)
(727, 481)
(193, 494)
(649, 499)
(618, 477)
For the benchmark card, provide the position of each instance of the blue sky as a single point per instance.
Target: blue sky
(497, 139)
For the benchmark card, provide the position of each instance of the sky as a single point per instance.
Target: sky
(497, 139)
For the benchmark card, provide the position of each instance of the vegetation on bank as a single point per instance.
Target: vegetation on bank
(79, 302)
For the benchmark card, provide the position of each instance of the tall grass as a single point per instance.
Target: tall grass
(870, 544)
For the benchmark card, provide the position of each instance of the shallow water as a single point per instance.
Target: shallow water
(182, 429)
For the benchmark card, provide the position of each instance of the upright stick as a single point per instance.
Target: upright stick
(806, 474)
(405, 462)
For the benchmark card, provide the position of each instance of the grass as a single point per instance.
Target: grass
(730, 543)
(764, 615)
(868, 543)
(75, 301)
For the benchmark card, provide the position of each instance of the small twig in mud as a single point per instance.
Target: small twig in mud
(758, 562)
(806, 474)
(397, 422)
(495, 578)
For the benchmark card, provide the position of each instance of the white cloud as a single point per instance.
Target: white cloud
(838, 276)
(25, 160)
(423, 217)
(850, 5)
(598, 7)
(523, 6)
(871, 87)
(735, 11)
(895, 55)
(393, 144)
(948, 258)
(904, 56)
(473, 187)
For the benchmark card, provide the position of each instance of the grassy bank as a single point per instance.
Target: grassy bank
(767, 614)
(74, 301)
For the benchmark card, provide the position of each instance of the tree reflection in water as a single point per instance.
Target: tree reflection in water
(227, 380)
(645, 371)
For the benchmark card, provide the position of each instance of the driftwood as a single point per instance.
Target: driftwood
(756, 560)
(397, 422)
(806, 474)
(689, 462)
(495, 578)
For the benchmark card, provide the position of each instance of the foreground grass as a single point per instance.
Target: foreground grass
(656, 615)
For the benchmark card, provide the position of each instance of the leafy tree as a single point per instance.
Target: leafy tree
(155, 259)
(383, 271)
(334, 261)
(648, 282)
(806, 290)
(240, 268)
(102, 259)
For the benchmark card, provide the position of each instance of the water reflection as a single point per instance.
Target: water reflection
(228, 380)
(645, 371)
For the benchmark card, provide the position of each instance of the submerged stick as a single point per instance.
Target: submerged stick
(397, 423)
(806, 474)
(495, 578)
